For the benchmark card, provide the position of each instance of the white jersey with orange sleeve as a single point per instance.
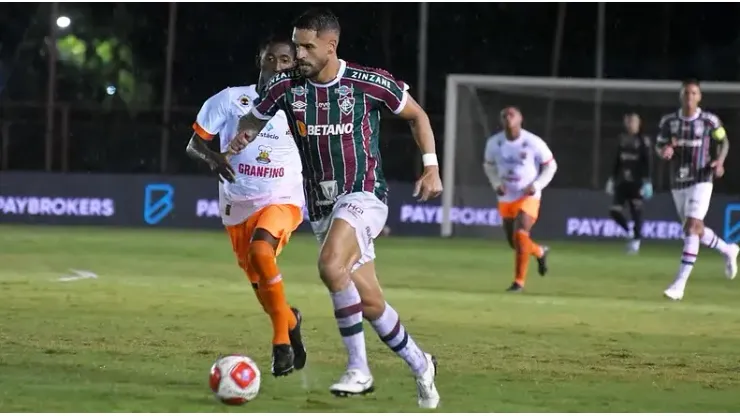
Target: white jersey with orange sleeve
(521, 162)
(268, 171)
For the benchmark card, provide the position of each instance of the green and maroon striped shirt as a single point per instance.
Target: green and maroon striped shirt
(337, 129)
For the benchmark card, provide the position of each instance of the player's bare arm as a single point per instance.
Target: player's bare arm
(430, 184)
(249, 127)
(198, 150)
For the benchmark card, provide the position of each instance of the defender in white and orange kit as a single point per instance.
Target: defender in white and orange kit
(262, 199)
(519, 165)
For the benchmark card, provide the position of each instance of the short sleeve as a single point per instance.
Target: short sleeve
(389, 91)
(212, 115)
(543, 153)
(270, 97)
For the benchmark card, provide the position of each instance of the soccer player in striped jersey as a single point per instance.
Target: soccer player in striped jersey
(261, 203)
(334, 110)
(696, 144)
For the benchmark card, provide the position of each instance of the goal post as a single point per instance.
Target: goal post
(579, 118)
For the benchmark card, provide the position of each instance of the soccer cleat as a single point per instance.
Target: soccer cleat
(515, 287)
(282, 360)
(731, 261)
(542, 261)
(353, 382)
(296, 341)
(673, 293)
(426, 391)
(633, 247)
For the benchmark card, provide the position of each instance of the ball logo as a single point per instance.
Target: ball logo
(158, 202)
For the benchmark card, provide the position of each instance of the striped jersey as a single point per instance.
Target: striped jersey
(693, 139)
(337, 129)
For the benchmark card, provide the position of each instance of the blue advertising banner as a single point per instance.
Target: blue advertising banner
(192, 202)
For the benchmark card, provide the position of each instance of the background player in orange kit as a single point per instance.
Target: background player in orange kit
(261, 203)
(519, 166)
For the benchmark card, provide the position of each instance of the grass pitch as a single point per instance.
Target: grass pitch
(595, 335)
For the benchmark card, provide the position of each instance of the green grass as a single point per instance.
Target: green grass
(593, 336)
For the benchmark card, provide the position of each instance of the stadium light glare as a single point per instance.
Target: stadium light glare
(63, 22)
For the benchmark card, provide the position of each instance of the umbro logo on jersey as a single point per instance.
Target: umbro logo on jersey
(299, 106)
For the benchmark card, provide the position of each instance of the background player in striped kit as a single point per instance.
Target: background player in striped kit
(696, 144)
(630, 183)
(334, 108)
(261, 203)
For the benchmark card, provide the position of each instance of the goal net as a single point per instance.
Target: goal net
(578, 118)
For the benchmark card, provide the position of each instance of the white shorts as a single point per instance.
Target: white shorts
(365, 213)
(693, 202)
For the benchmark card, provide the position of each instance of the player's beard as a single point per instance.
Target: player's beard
(310, 70)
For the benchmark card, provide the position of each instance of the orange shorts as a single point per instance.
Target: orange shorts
(278, 220)
(527, 205)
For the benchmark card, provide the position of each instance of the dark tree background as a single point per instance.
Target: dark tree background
(123, 45)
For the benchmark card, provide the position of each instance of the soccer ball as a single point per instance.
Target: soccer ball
(235, 379)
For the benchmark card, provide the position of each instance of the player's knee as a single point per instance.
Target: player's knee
(693, 226)
(373, 307)
(333, 271)
(261, 253)
(260, 234)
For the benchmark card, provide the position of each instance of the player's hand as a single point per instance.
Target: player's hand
(718, 168)
(647, 190)
(530, 190)
(667, 152)
(429, 185)
(238, 143)
(219, 163)
(500, 190)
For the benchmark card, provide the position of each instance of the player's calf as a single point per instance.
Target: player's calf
(338, 253)
(424, 366)
(730, 251)
(692, 228)
(272, 291)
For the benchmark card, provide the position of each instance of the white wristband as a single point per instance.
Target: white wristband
(429, 159)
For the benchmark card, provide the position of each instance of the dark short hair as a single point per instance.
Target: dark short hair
(276, 40)
(319, 20)
(690, 81)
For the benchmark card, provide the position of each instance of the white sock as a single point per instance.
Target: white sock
(348, 313)
(711, 240)
(394, 335)
(688, 258)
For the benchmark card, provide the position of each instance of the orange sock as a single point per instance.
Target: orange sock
(524, 247)
(271, 290)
